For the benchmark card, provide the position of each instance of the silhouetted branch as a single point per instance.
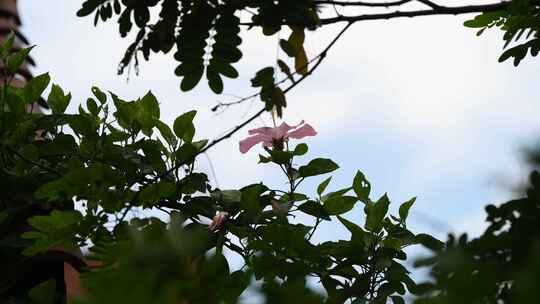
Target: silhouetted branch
(438, 10)
(362, 3)
(435, 9)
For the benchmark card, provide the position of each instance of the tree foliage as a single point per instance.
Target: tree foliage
(116, 159)
(520, 21)
(500, 266)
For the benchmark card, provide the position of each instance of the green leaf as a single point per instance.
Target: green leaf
(92, 106)
(281, 157)
(356, 231)
(339, 204)
(57, 100)
(263, 78)
(287, 48)
(190, 80)
(297, 38)
(153, 193)
(285, 69)
(227, 196)
(44, 293)
(167, 134)
(375, 213)
(361, 186)
(57, 228)
(88, 7)
(15, 60)
(7, 45)
(322, 186)
(102, 97)
(429, 241)
(300, 149)
(183, 126)
(335, 193)
(317, 166)
(53, 190)
(214, 81)
(315, 209)
(186, 153)
(200, 144)
(35, 87)
(404, 209)
(3, 216)
(150, 105)
(250, 200)
(278, 100)
(301, 63)
(15, 99)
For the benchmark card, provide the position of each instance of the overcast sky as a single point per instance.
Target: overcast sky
(421, 106)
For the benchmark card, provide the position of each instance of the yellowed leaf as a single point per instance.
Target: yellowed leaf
(301, 62)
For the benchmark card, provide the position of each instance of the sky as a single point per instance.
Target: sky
(421, 106)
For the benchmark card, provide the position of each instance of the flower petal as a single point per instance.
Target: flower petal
(305, 130)
(249, 142)
(263, 130)
(280, 131)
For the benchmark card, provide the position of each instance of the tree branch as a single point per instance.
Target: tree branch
(362, 3)
(430, 4)
(439, 10)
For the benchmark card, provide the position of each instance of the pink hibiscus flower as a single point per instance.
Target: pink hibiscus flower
(275, 137)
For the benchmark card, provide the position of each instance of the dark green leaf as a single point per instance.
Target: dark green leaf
(186, 153)
(300, 149)
(15, 60)
(356, 231)
(57, 100)
(183, 126)
(322, 186)
(92, 106)
(35, 87)
(285, 69)
(315, 209)
(361, 186)
(44, 293)
(214, 81)
(404, 209)
(191, 79)
(287, 48)
(151, 195)
(429, 241)
(376, 213)
(317, 166)
(339, 204)
(102, 97)
(7, 45)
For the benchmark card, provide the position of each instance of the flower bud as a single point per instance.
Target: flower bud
(219, 221)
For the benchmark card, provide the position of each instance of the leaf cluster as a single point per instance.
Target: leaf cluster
(520, 22)
(114, 157)
(205, 33)
(500, 266)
